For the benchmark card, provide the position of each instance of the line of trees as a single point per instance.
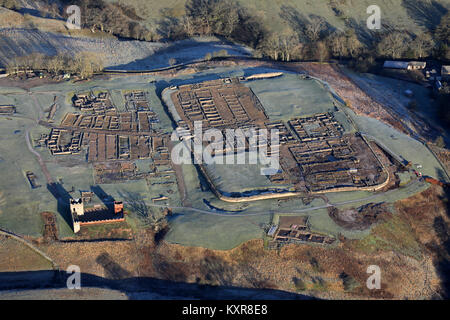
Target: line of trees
(304, 38)
(119, 19)
(225, 18)
(288, 46)
(84, 64)
(315, 41)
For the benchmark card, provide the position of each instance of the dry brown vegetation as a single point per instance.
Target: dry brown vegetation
(15, 256)
(13, 19)
(443, 154)
(85, 64)
(411, 248)
(356, 99)
(114, 18)
(360, 218)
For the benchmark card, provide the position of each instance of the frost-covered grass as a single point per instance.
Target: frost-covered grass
(20, 206)
(116, 54)
(289, 96)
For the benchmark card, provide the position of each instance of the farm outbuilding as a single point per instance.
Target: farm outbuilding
(445, 72)
(396, 65)
(405, 65)
(416, 65)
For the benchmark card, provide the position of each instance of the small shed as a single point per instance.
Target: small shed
(445, 72)
(417, 65)
(409, 93)
(437, 86)
(403, 65)
(272, 230)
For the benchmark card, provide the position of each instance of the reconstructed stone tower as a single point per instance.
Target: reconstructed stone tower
(76, 209)
(77, 206)
(118, 207)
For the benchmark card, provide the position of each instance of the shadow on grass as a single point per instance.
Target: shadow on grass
(132, 286)
(62, 197)
(442, 248)
(424, 13)
(136, 203)
(299, 22)
(107, 200)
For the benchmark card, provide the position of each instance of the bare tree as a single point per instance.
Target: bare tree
(289, 45)
(443, 29)
(354, 46)
(87, 63)
(422, 45)
(315, 28)
(338, 46)
(211, 16)
(322, 52)
(393, 45)
(208, 56)
(189, 25)
(271, 47)
(36, 60)
(225, 17)
(172, 62)
(284, 46)
(13, 66)
(55, 64)
(201, 11)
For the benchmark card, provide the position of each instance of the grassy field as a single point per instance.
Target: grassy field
(215, 232)
(411, 15)
(10, 19)
(297, 97)
(391, 92)
(395, 235)
(23, 259)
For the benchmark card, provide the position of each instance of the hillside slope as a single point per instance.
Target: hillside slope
(116, 54)
(414, 16)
